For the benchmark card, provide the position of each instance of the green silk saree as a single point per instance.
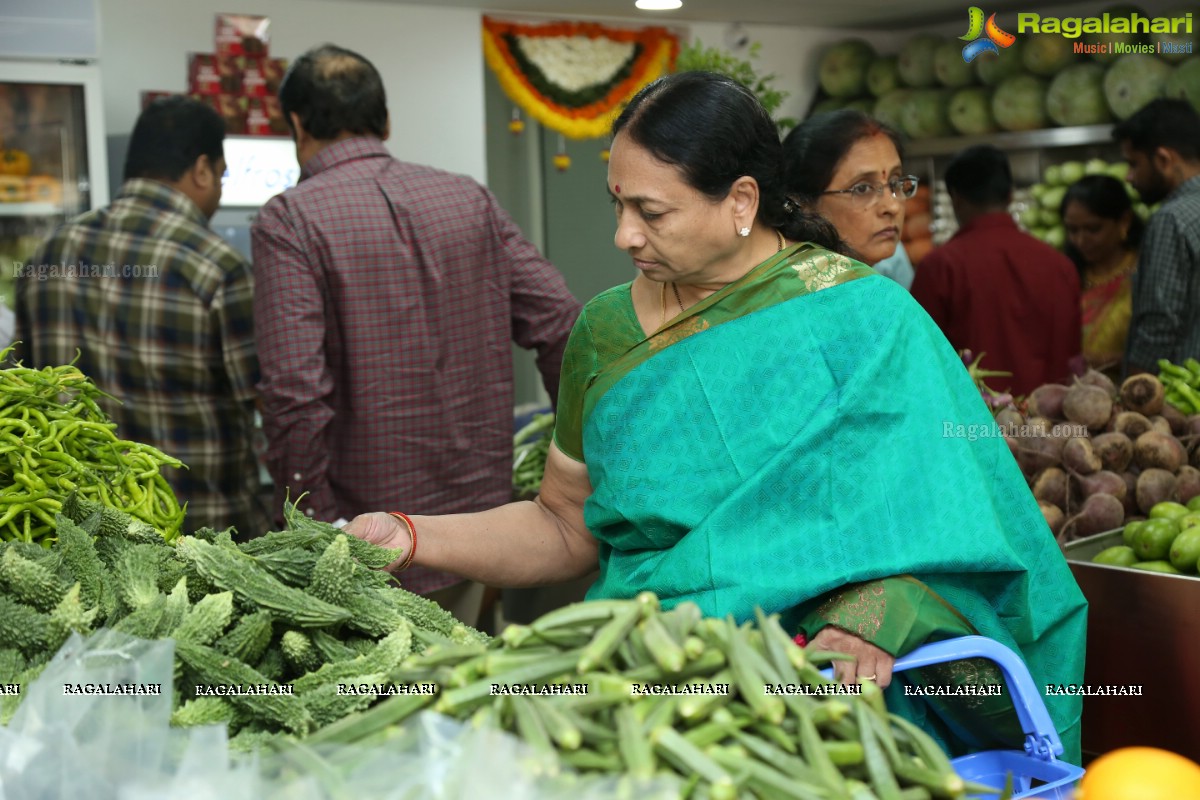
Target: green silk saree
(796, 442)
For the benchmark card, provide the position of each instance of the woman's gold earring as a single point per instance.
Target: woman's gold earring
(744, 232)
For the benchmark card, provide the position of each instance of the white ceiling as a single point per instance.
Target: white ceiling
(863, 14)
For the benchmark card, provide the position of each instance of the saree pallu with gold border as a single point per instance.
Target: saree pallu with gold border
(806, 441)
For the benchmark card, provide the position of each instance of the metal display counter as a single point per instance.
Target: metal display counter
(1142, 631)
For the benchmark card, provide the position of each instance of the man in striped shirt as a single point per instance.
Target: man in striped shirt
(387, 297)
(160, 309)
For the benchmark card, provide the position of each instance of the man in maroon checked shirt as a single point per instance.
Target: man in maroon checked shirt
(994, 289)
(386, 298)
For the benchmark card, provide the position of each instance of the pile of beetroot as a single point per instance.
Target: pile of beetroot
(1097, 456)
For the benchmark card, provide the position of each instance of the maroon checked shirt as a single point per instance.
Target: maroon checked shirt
(386, 298)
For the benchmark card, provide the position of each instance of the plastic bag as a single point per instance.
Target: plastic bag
(96, 724)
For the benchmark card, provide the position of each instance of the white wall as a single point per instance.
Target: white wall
(430, 58)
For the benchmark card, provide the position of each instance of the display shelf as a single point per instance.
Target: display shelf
(1015, 140)
(30, 209)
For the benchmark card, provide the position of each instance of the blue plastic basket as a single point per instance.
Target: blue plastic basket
(1037, 772)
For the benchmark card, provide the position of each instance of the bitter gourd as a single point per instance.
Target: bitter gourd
(215, 668)
(203, 711)
(298, 652)
(249, 638)
(206, 620)
(136, 573)
(292, 565)
(236, 572)
(382, 659)
(176, 608)
(80, 560)
(29, 582)
(69, 615)
(333, 575)
(330, 647)
(22, 627)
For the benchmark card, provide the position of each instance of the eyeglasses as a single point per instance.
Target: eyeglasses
(865, 195)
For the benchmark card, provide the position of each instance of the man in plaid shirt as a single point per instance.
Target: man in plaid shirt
(1161, 142)
(160, 309)
(387, 296)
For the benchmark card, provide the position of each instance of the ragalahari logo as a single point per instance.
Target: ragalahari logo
(994, 37)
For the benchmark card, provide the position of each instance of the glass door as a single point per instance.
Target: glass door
(51, 157)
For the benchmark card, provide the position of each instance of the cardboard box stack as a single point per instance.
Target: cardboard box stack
(239, 80)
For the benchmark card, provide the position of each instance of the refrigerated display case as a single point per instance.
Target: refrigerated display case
(52, 158)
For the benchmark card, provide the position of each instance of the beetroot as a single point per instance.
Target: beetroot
(1100, 381)
(1153, 487)
(1087, 405)
(1187, 483)
(1142, 393)
(1047, 401)
(1051, 485)
(1132, 424)
(1155, 449)
(1053, 515)
(1115, 451)
(1102, 482)
(1009, 420)
(1035, 453)
(1100, 512)
(1159, 423)
(1130, 501)
(1193, 425)
(1078, 456)
(1176, 419)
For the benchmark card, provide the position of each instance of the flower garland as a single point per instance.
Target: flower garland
(574, 77)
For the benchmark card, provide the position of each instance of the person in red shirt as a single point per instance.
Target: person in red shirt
(997, 290)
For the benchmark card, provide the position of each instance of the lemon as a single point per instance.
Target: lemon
(1140, 773)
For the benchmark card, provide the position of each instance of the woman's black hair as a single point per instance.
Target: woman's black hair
(714, 130)
(1105, 197)
(815, 147)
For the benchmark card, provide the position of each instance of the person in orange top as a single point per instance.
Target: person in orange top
(1103, 233)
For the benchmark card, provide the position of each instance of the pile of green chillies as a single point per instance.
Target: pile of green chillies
(55, 439)
(1181, 384)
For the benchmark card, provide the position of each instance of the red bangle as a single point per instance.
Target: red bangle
(412, 534)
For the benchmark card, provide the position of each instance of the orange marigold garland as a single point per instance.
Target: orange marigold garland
(585, 112)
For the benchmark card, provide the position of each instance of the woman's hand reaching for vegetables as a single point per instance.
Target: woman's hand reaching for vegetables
(871, 663)
(384, 530)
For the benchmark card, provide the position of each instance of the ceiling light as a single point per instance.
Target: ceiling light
(658, 5)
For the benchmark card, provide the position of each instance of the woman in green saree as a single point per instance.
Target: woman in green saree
(759, 421)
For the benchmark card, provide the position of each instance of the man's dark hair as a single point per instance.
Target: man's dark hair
(169, 135)
(981, 175)
(334, 90)
(1169, 123)
(815, 148)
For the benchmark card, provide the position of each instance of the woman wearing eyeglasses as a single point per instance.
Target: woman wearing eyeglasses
(846, 166)
(758, 421)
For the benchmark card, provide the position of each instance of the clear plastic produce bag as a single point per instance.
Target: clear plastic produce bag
(92, 726)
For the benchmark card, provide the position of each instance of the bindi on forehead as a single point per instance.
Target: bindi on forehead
(617, 188)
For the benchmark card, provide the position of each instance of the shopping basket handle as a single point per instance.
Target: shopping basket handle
(1035, 719)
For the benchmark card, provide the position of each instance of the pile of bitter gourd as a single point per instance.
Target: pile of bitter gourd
(271, 627)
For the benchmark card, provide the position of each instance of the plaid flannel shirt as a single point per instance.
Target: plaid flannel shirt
(161, 311)
(387, 298)
(1166, 285)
